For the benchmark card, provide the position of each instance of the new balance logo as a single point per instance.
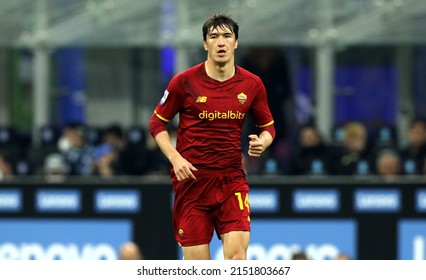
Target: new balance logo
(201, 99)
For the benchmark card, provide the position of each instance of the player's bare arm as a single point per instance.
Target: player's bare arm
(258, 144)
(182, 168)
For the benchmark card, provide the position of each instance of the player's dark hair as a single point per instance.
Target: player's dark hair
(220, 20)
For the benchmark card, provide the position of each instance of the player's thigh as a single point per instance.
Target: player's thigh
(234, 214)
(197, 252)
(235, 244)
(194, 215)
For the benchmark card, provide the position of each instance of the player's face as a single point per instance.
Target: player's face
(220, 44)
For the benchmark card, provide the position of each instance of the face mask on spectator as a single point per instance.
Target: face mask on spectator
(64, 144)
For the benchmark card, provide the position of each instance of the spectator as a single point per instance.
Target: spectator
(76, 152)
(55, 168)
(354, 157)
(6, 168)
(342, 257)
(414, 153)
(388, 164)
(130, 251)
(123, 160)
(300, 256)
(114, 136)
(106, 161)
(310, 157)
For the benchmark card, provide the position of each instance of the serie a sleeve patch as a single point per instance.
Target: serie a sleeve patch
(164, 98)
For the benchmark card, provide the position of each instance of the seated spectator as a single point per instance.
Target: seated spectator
(106, 161)
(299, 256)
(342, 257)
(354, 157)
(131, 149)
(130, 251)
(311, 154)
(76, 152)
(114, 136)
(6, 168)
(388, 164)
(55, 168)
(414, 153)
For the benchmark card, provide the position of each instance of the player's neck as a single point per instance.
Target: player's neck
(218, 71)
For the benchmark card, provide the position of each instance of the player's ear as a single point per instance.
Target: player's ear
(236, 44)
(205, 45)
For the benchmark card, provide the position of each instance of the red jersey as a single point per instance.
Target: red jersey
(211, 115)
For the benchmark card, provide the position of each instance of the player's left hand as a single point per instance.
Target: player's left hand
(256, 146)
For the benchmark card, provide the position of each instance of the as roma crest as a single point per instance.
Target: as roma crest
(242, 98)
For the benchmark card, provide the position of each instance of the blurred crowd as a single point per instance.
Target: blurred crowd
(79, 150)
(353, 150)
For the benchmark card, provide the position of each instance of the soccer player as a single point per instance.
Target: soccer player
(210, 188)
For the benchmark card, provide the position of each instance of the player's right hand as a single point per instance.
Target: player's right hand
(183, 169)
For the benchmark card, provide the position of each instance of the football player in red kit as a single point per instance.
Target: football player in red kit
(212, 100)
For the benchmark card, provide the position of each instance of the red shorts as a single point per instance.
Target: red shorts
(211, 202)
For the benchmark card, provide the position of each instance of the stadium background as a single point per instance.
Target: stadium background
(103, 62)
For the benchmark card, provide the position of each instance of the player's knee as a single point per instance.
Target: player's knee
(236, 255)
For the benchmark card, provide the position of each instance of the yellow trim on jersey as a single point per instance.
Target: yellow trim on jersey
(160, 117)
(268, 124)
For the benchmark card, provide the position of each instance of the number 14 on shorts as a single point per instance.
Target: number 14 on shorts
(243, 202)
